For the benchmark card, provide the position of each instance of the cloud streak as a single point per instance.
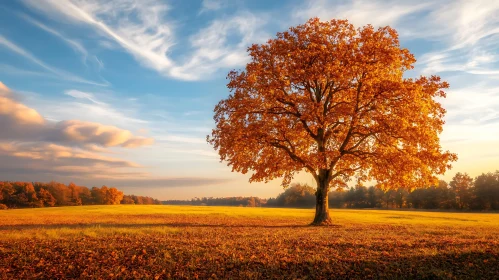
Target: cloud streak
(77, 46)
(359, 12)
(141, 28)
(60, 73)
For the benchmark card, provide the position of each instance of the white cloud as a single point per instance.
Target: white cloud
(18, 122)
(35, 148)
(212, 5)
(359, 12)
(91, 107)
(138, 26)
(181, 139)
(79, 132)
(213, 49)
(142, 29)
(468, 31)
(60, 73)
(83, 95)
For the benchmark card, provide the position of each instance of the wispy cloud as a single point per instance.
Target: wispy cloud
(77, 46)
(360, 12)
(468, 32)
(142, 28)
(212, 5)
(212, 49)
(100, 107)
(181, 139)
(83, 95)
(21, 72)
(60, 73)
(138, 26)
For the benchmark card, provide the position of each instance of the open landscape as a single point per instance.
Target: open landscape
(187, 242)
(217, 139)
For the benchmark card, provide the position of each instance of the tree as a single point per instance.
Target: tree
(113, 196)
(374, 197)
(462, 184)
(298, 195)
(7, 193)
(99, 195)
(74, 194)
(60, 193)
(332, 100)
(25, 195)
(486, 191)
(127, 199)
(46, 198)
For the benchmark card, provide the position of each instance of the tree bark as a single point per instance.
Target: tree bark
(322, 217)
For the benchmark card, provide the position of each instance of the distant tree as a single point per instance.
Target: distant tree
(46, 198)
(374, 197)
(357, 197)
(297, 195)
(486, 191)
(401, 197)
(98, 194)
(127, 199)
(85, 196)
(337, 198)
(251, 202)
(26, 194)
(113, 196)
(74, 194)
(6, 193)
(138, 199)
(461, 184)
(60, 192)
(446, 199)
(332, 100)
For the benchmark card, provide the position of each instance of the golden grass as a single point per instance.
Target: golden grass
(142, 241)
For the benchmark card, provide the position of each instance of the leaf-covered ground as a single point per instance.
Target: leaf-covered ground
(163, 242)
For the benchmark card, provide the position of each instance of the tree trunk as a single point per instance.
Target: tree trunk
(322, 205)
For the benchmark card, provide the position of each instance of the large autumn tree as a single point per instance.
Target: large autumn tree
(332, 100)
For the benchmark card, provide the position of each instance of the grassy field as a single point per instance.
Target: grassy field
(180, 242)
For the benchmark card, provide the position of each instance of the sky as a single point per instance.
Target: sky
(121, 93)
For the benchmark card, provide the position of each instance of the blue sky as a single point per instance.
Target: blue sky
(147, 73)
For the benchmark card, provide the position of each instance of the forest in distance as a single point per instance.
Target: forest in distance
(461, 193)
(36, 194)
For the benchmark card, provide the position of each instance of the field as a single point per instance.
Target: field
(180, 242)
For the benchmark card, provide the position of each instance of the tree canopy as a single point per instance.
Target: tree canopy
(332, 100)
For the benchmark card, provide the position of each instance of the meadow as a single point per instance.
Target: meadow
(190, 242)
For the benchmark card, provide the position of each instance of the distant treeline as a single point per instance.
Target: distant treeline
(27, 194)
(221, 201)
(461, 193)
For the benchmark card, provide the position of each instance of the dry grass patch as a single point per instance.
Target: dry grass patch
(147, 242)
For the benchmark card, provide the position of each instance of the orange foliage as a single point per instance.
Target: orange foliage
(332, 100)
